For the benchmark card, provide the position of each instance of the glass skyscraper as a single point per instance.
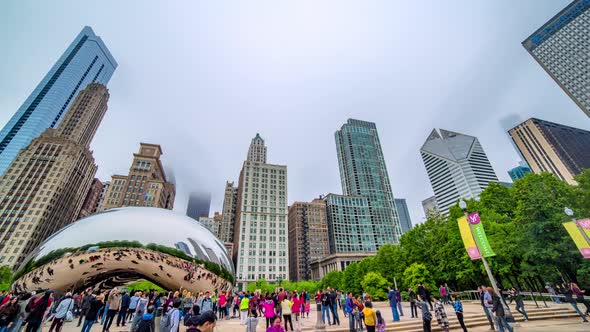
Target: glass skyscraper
(562, 46)
(86, 60)
(363, 173)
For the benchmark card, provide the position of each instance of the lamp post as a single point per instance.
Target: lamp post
(509, 317)
(570, 213)
(319, 324)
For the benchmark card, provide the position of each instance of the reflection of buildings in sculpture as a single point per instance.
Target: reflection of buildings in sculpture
(145, 185)
(212, 255)
(199, 252)
(68, 252)
(183, 247)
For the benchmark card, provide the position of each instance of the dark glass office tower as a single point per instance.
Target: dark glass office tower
(85, 61)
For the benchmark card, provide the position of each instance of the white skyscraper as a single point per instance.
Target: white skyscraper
(457, 167)
(257, 150)
(261, 231)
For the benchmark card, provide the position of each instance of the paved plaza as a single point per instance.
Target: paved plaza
(471, 310)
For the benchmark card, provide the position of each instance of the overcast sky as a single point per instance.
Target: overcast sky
(201, 78)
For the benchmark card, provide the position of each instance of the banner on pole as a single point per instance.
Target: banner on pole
(576, 235)
(585, 225)
(467, 237)
(480, 235)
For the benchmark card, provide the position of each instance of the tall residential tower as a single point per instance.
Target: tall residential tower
(457, 167)
(260, 229)
(561, 47)
(85, 61)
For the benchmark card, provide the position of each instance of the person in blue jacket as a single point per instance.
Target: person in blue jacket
(393, 304)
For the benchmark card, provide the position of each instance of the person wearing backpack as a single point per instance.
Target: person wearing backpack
(140, 309)
(66, 304)
(171, 318)
(147, 323)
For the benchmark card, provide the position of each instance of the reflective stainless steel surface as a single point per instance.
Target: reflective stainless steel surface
(116, 246)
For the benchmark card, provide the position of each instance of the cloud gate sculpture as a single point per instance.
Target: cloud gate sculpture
(117, 246)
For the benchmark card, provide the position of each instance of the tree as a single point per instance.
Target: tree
(351, 282)
(418, 274)
(332, 279)
(375, 285)
(5, 278)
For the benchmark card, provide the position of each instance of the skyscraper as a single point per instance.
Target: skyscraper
(404, 214)
(260, 229)
(86, 60)
(44, 187)
(550, 147)
(198, 205)
(519, 171)
(457, 167)
(145, 185)
(228, 214)
(363, 173)
(308, 237)
(561, 45)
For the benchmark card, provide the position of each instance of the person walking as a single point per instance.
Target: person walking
(125, 302)
(443, 294)
(286, 306)
(96, 303)
(426, 315)
(380, 322)
(171, 319)
(244, 305)
(498, 310)
(269, 311)
(486, 303)
(334, 306)
(85, 304)
(459, 312)
(393, 304)
(350, 309)
(413, 308)
(147, 322)
(441, 314)
(569, 298)
(325, 300)
(359, 314)
(114, 303)
(65, 306)
(370, 316)
(140, 309)
(132, 305)
(8, 313)
(579, 293)
(252, 321)
(552, 293)
(37, 312)
(222, 302)
(516, 296)
(296, 310)
(398, 301)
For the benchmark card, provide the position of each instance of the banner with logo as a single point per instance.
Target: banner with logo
(480, 235)
(576, 234)
(585, 225)
(468, 239)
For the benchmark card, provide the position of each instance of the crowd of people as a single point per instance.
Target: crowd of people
(282, 311)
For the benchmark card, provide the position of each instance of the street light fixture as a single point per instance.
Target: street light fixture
(509, 317)
(569, 212)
